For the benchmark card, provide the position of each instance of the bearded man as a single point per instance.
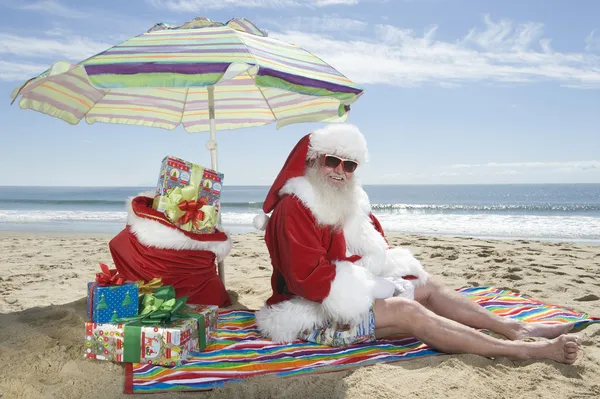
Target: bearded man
(335, 280)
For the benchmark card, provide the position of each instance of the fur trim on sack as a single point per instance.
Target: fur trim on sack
(153, 234)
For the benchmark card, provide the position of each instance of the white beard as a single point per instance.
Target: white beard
(337, 203)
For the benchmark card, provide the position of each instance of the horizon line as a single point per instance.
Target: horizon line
(269, 185)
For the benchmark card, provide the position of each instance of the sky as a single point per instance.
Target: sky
(456, 91)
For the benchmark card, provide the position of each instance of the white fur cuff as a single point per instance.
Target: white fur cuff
(284, 321)
(351, 293)
(400, 262)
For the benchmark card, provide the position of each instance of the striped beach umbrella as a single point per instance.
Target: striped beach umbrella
(205, 75)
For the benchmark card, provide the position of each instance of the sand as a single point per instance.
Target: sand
(43, 281)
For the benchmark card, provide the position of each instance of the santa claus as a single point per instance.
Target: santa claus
(332, 263)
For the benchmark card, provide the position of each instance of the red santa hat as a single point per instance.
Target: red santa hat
(340, 139)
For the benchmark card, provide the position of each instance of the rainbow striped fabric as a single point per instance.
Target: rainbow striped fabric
(160, 79)
(241, 352)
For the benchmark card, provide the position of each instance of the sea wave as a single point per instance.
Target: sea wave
(493, 225)
(103, 203)
(541, 207)
(59, 216)
(553, 227)
(60, 201)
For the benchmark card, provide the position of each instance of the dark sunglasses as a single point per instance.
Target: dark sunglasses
(331, 161)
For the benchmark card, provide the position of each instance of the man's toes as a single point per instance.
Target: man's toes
(572, 339)
(571, 345)
(571, 356)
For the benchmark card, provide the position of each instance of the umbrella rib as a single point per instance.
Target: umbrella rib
(267, 102)
(257, 65)
(187, 91)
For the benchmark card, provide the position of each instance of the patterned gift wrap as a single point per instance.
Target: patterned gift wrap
(108, 303)
(208, 332)
(168, 345)
(189, 195)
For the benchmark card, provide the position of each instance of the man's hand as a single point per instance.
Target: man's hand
(383, 288)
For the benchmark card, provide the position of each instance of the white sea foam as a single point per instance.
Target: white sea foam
(577, 228)
(12, 216)
(559, 227)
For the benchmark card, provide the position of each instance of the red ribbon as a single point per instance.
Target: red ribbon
(108, 277)
(192, 212)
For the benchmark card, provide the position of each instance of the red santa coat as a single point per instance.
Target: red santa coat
(320, 273)
(304, 256)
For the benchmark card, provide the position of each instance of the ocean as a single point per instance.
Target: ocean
(553, 212)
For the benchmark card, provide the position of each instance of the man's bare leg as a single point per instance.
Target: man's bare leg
(450, 304)
(394, 316)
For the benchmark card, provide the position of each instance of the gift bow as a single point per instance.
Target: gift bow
(181, 207)
(160, 307)
(108, 276)
(193, 212)
(150, 286)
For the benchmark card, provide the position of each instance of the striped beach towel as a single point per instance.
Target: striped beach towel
(241, 352)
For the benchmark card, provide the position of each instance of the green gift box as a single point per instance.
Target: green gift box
(189, 195)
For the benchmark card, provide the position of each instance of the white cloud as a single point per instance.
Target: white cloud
(18, 51)
(502, 52)
(73, 48)
(20, 71)
(499, 53)
(327, 23)
(492, 172)
(592, 42)
(502, 36)
(323, 3)
(58, 31)
(201, 5)
(565, 166)
(54, 8)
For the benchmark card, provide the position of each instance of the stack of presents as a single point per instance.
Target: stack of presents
(161, 301)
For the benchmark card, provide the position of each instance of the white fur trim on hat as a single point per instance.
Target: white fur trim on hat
(260, 221)
(341, 139)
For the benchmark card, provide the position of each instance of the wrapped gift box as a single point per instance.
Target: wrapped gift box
(108, 303)
(189, 195)
(164, 333)
(208, 328)
(135, 342)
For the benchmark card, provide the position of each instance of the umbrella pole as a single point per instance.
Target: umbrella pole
(212, 143)
(214, 160)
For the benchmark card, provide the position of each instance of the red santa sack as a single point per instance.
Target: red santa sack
(151, 246)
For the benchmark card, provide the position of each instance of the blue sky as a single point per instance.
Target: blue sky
(456, 91)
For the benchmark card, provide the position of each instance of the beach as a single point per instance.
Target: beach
(43, 280)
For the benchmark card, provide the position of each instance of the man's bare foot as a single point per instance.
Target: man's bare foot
(523, 330)
(563, 349)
